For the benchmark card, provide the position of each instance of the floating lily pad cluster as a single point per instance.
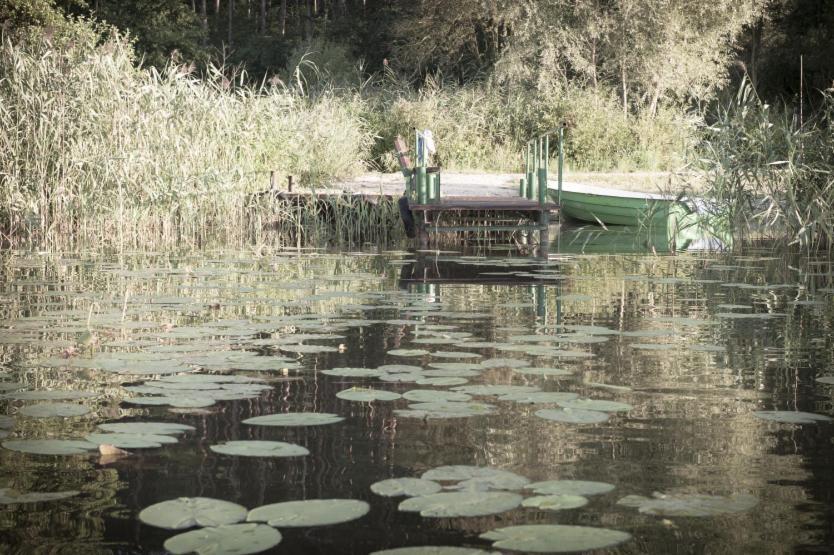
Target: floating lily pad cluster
(227, 527)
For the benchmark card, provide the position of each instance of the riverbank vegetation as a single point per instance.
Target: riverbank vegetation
(163, 122)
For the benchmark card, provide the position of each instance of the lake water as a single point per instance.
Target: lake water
(689, 347)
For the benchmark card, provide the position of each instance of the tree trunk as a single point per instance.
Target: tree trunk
(308, 21)
(263, 17)
(655, 98)
(594, 63)
(282, 23)
(203, 15)
(216, 6)
(755, 44)
(231, 18)
(625, 88)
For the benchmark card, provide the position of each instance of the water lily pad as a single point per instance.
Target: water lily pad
(573, 416)
(431, 395)
(476, 477)
(50, 446)
(462, 503)
(829, 380)
(455, 354)
(556, 502)
(570, 487)
(367, 395)
(445, 409)
(255, 448)
(313, 512)
(173, 400)
(410, 487)
(185, 512)
(539, 397)
(442, 381)
(10, 496)
(130, 441)
(229, 539)
(488, 389)
(294, 419)
(162, 428)
(400, 368)
(596, 404)
(434, 550)
(308, 349)
(408, 352)
(554, 538)
(400, 377)
(543, 371)
(791, 417)
(353, 372)
(689, 504)
(49, 410)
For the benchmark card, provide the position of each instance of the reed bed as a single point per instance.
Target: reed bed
(767, 173)
(97, 150)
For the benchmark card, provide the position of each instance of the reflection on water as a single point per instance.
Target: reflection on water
(694, 342)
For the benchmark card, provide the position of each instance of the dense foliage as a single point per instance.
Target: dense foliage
(208, 96)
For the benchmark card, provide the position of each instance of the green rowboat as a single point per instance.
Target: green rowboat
(616, 207)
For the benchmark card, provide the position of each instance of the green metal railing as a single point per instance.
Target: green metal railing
(533, 186)
(424, 185)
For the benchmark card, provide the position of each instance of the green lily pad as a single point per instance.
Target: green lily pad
(161, 428)
(173, 400)
(313, 512)
(829, 380)
(539, 397)
(130, 441)
(50, 446)
(556, 502)
(400, 378)
(400, 368)
(495, 389)
(601, 405)
(434, 550)
(308, 349)
(408, 352)
(367, 395)
(353, 372)
(462, 503)
(570, 487)
(50, 410)
(229, 539)
(432, 395)
(543, 371)
(294, 419)
(11, 497)
(554, 538)
(410, 487)
(255, 448)
(476, 477)
(442, 381)
(443, 409)
(573, 416)
(185, 512)
(689, 504)
(791, 417)
(455, 354)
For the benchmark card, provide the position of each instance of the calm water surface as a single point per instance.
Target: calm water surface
(676, 345)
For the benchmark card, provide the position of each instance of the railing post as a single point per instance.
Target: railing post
(542, 169)
(561, 161)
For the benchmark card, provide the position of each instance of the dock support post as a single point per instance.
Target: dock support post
(542, 169)
(528, 193)
(561, 163)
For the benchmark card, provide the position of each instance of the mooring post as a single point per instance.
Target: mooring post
(543, 171)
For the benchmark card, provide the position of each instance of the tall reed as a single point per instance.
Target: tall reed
(769, 174)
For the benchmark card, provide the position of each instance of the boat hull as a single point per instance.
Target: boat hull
(616, 210)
